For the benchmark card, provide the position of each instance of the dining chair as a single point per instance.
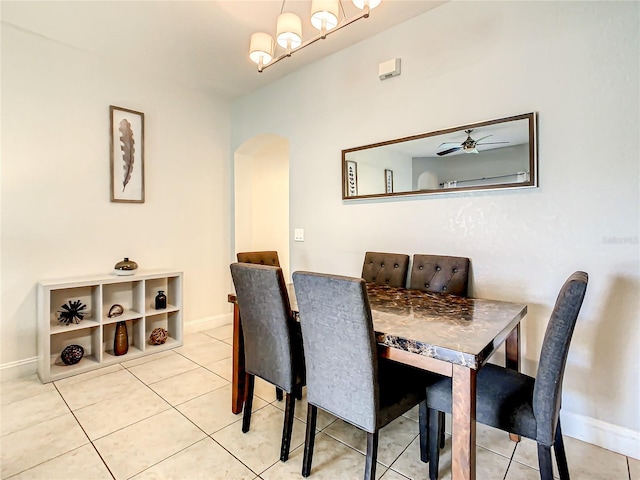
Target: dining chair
(273, 345)
(385, 268)
(517, 403)
(260, 258)
(441, 274)
(345, 377)
(267, 257)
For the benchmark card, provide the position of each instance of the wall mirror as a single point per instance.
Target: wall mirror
(487, 155)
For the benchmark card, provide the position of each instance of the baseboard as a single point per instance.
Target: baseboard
(21, 368)
(29, 366)
(208, 322)
(606, 435)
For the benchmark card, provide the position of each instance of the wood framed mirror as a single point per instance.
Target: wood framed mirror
(490, 155)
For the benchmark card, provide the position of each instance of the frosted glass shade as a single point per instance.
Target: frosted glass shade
(261, 47)
(361, 3)
(289, 28)
(324, 12)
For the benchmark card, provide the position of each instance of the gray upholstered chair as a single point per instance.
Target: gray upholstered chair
(272, 342)
(516, 402)
(385, 268)
(261, 258)
(344, 375)
(441, 274)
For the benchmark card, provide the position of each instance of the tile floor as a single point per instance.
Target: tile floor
(168, 416)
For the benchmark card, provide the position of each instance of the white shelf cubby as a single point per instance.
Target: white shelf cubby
(95, 333)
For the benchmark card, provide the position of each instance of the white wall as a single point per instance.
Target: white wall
(57, 220)
(574, 63)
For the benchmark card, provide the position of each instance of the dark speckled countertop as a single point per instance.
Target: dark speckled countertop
(458, 330)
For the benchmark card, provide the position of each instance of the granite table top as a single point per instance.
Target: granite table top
(459, 330)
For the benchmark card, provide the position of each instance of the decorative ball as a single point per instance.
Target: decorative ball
(75, 311)
(72, 354)
(158, 336)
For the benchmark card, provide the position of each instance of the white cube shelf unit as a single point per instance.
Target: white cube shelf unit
(95, 334)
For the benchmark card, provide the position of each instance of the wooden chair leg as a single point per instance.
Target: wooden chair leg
(309, 440)
(248, 402)
(434, 450)
(423, 426)
(278, 394)
(372, 456)
(561, 457)
(289, 410)
(544, 462)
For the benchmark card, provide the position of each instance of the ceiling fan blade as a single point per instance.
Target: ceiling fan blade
(451, 150)
(491, 143)
(480, 139)
(456, 144)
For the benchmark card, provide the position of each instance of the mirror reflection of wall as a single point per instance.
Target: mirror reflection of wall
(371, 168)
(493, 167)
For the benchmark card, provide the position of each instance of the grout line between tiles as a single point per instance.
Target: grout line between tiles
(513, 454)
(85, 432)
(225, 449)
(404, 450)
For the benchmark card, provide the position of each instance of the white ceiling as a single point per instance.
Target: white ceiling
(199, 44)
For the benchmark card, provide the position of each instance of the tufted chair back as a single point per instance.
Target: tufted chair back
(441, 274)
(259, 258)
(385, 268)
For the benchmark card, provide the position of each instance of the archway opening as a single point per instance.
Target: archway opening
(261, 196)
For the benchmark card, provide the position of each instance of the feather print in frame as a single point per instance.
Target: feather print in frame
(127, 155)
(128, 147)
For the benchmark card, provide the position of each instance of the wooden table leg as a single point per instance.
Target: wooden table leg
(237, 368)
(512, 347)
(463, 461)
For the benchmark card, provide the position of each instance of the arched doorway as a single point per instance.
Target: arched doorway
(261, 196)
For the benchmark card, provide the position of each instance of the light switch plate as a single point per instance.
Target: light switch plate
(298, 234)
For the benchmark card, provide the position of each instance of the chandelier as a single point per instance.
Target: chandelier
(324, 17)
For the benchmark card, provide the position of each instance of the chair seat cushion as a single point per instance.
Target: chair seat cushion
(504, 399)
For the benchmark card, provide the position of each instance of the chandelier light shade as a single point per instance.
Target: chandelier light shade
(325, 16)
(362, 3)
(289, 31)
(261, 48)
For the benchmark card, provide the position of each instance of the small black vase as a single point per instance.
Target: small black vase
(121, 339)
(161, 300)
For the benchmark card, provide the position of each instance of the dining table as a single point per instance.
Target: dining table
(441, 333)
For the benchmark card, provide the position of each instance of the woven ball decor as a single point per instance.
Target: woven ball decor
(72, 354)
(158, 336)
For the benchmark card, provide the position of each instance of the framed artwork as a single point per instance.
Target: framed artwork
(388, 181)
(352, 178)
(127, 155)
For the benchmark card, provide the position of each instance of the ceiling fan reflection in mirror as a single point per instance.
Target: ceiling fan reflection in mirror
(468, 146)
